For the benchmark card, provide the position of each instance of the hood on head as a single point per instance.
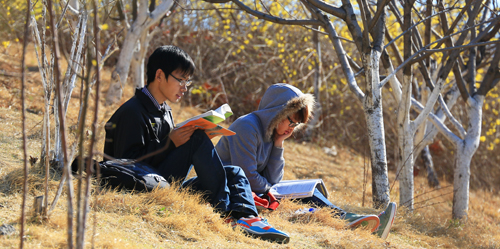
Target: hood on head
(279, 101)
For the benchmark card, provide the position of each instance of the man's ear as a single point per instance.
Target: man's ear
(159, 72)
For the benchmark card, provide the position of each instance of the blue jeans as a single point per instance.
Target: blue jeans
(320, 200)
(226, 188)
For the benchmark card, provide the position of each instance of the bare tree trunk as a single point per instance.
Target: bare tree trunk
(425, 154)
(75, 61)
(463, 157)
(61, 118)
(23, 106)
(317, 85)
(404, 125)
(372, 106)
(432, 178)
(137, 62)
(405, 146)
(144, 20)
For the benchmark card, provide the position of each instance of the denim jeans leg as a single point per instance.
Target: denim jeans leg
(199, 152)
(240, 193)
(320, 200)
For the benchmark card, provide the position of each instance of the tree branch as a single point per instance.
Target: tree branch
(492, 75)
(470, 45)
(270, 18)
(338, 12)
(159, 12)
(493, 21)
(352, 24)
(454, 24)
(429, 105)
(437, 123)
(342, 56)
(425, 73)
(424, 49)
(380, 10)
(412, 27)
(365, 18)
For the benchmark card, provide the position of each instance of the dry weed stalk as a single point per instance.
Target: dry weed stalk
(62, 127)
(23, 104)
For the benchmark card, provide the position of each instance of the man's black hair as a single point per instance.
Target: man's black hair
(169, 58)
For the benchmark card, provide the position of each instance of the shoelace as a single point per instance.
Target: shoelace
(264, 220)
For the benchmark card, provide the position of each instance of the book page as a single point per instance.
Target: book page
(211, 129)
(214, 116)
(294, 188)
(224, 110)
(206, 114)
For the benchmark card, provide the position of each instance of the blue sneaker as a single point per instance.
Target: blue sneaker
(370, 222)
(386, 220)
(259, 228)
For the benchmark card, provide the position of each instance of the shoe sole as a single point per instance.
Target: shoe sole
(373, 223)
(387, 229)
(271, 237)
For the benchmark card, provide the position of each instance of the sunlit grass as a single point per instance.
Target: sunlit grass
(173, 218)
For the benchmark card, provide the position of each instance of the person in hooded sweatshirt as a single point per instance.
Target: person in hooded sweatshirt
(258, 148)
(144, 125)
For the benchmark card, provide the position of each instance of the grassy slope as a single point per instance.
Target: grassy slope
(173, 219)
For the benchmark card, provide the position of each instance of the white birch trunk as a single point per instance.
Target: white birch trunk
(463, 157)
(372, 106)
(405, 146)
(75, 61)
(317, 85)
(422, 128)
(139, 73)
(139, 57)
(120, 74)
(143, 22)
(136, 68)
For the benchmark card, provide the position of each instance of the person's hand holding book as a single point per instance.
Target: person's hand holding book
(181, 135)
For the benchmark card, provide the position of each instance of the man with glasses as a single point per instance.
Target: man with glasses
(144, 126)
(257, 147)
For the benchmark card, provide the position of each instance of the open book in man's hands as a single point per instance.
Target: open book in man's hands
(298, 188)
(208, 121)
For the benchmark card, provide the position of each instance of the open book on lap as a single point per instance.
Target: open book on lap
(298, 188)
(208, 122)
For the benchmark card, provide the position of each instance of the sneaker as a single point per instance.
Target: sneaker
(371, 222)
(259, 228)
(386, 220)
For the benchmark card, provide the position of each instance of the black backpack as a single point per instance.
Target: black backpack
(126, 174)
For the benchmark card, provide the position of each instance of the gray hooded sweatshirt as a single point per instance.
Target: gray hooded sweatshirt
(252, 148)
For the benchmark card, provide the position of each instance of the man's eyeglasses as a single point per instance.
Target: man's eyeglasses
(292, 124)
(182, 82)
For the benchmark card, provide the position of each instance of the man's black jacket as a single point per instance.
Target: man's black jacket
(138, 128)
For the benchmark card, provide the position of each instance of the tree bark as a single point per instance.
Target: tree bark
(405, 146)
(404, 124)
(432, 178)
(317, 85)
(144, 20)
(463, 157)
(372, 106)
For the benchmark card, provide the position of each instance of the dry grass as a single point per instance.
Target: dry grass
(177, 219)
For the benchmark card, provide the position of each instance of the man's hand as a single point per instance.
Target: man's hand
(278, 139)
(179, 136)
